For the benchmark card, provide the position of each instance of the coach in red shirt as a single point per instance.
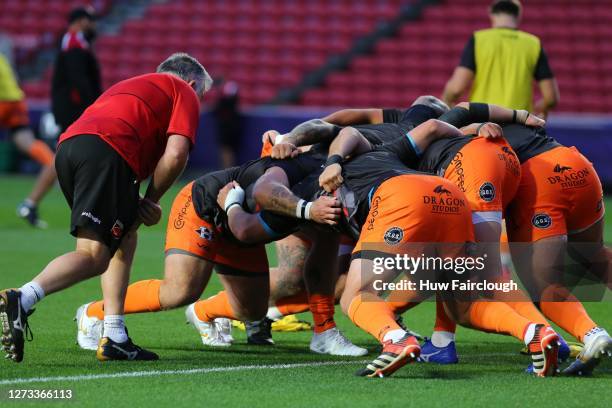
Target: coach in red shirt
(141, 127)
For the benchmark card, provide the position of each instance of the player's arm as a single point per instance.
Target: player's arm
(550, 97)
(548, 86)
(168, 169)
(304, 134)
(271, 192)
(351, 117)
(349, 142)
(462, 77)
(246, 227)
(466, 113)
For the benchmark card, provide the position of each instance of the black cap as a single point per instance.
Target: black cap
(80, 12)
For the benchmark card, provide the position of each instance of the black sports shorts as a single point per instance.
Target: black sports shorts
(100, 187)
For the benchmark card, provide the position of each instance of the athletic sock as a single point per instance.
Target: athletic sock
(322, 309)
(114, 328)
(40, 152)
(289, 305)
(443, 322)
(141, 297)
(442, 338)
(373, 315)
(563, 308)
(215, 306)
(31, 293)
(593, 334)
(394, 335)
(529, 311)
(529, 333)
(400, 307)
(498, 317)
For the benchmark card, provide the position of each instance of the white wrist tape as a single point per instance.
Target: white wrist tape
(302, 209)
(279, 138)
(235, 196)
(521, 116)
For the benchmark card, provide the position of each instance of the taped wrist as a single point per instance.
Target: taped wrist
(302, 209)
(234, 197)
(479, 112)
(333, 159)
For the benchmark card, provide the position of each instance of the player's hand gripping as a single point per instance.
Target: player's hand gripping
(149, 212)
(331, 178)
(490, 130)
(284, 150)
(325, 210)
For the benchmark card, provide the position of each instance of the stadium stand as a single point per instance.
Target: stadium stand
(261, 45)
(37, 24)
(269, 46)
(418, 60)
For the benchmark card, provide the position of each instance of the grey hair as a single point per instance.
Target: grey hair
(188, 69)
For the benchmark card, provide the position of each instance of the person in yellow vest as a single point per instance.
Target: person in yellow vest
(500, 64)
(14, 117)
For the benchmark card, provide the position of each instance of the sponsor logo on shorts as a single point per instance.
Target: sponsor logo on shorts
(509, 158)
(487, 192)
(441, 190)
(205, 233)
(568, 178)
(394, 235)
(91, 217)
(443, 202)
(561, 169)
(457, 162)
(373, 212)
(179, 221)
(541, 221)
(117, 229)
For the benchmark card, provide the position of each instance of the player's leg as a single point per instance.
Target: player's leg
(320, 277)
(24, 140)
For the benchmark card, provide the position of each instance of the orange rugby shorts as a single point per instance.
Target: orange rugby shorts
(560, 193)
(487, 171)
(13, 114)
(189, 234)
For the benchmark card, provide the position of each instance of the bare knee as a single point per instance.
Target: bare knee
(173, 293)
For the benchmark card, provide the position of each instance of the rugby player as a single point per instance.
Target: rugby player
(143, 126)
(14, 117)
(381, 177)
(558, 209)
(209, 228)
(486, 170)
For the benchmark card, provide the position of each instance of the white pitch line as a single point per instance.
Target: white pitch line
(155, 373)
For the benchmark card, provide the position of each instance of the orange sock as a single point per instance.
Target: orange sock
(141, 297)
(289, 305)
(529, 311)
(498, 317)
(215, 306)
(322, 309)
(40, 152)
(563, 308)
(372, 314)
(401, 307)
(570, 316)
(443, 322)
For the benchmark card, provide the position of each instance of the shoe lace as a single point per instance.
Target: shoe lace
(29, 336)
(342, 339)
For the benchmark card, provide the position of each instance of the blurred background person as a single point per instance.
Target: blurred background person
(14, 118)
(500, 64)
(229, 122)
(76, 82)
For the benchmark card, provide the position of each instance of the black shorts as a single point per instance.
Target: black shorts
(100, 187)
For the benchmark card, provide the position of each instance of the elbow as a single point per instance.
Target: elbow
(178, 157)
(241, 235)
(260, 193)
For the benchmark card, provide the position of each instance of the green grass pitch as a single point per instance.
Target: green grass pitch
(490, 372)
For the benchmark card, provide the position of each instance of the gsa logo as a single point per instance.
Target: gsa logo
(394, 235)
(487, 192)
(541, 221)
